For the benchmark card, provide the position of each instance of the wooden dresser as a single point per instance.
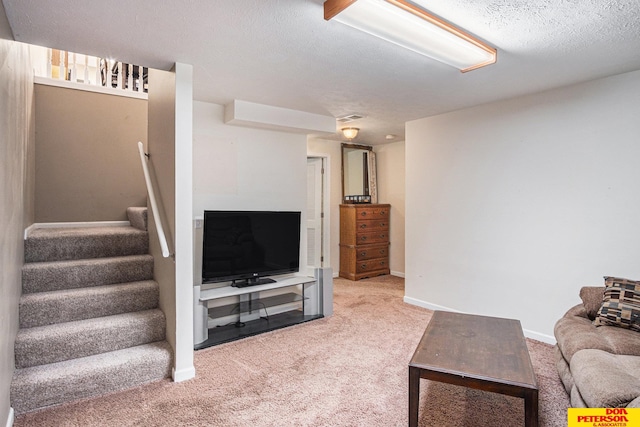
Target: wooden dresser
(364, 240)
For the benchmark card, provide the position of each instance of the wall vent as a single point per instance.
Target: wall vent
(349, 118)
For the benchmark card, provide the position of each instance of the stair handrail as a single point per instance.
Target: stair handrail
(152, 200)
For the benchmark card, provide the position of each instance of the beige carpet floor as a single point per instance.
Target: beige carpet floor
(346, 370)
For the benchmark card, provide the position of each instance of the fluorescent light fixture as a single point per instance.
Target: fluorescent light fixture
(413, 28)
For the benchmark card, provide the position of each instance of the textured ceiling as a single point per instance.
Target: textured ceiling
(283, 53)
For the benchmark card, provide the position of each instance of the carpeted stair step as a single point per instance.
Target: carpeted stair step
(43, 386)
(57, 275)
(138, 218)
(58, 244)
(89, 317)
(64, 341)
(47, 308)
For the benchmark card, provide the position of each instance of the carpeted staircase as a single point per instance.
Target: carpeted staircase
(89, 317)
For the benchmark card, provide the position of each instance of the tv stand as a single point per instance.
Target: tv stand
(252, 282)
(230, 313)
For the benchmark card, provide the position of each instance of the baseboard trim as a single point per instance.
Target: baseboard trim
(527, 333)
(428, 305)
(37, 225)
(10, 417)
(183, 374)
(28, 230)
(548, 339)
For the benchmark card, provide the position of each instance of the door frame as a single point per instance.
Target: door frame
(326, 206)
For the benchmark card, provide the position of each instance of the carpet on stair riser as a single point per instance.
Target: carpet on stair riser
(48, 308)
(82, 338)
(72, 274)
(58, 244)
(44, 386)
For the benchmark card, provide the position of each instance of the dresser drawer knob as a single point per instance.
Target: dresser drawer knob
(363, 266)
(363, 213)
(363, 253)
(363, 238)
(363, 225)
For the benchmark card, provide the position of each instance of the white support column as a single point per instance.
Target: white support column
(120, 78)
(73, 71)
(61, 69)
(109, 73)
(140, 87)
(86, 70)
(49, 63)
(130, 78)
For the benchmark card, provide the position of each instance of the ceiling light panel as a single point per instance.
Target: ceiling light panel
(408, 26)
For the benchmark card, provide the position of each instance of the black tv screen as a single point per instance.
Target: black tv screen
(242, 246)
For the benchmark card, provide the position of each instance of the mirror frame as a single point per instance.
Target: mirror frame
(365, 179)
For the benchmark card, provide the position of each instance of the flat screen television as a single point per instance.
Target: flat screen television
(245, 246)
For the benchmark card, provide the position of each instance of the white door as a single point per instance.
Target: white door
(314, 212)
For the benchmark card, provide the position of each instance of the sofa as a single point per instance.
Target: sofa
(598, 346)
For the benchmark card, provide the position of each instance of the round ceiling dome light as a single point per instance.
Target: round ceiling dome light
(350, 133)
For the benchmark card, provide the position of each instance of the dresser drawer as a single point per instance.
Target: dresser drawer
(372, 213)
(372, 265)
(372, 224)
(371, 252)
(380, 236)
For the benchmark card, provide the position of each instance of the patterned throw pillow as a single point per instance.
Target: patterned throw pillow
(620, 304)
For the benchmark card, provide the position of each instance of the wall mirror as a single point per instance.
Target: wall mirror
(358, 174)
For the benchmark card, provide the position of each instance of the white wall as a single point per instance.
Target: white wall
(17, 134)
(390, 164)
(513, 206)
(241, 168)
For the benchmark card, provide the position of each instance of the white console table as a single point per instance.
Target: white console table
(307, 298)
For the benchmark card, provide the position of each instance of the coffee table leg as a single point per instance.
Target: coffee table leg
(531, 409)
(414, 395)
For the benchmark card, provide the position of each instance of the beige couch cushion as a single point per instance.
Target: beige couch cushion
(575, 332)
(606, 380)
(575, 399)
(563, 370)
(592, 299)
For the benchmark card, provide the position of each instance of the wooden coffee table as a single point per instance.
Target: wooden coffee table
(485, 353)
